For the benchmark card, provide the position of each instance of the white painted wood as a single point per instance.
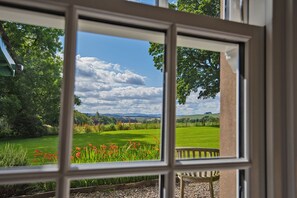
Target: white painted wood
(66, 120)
(128, 13)
(170, 108)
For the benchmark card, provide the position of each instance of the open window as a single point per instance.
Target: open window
(155, 96)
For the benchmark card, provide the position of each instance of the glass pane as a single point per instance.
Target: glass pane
(218, 184)
(30, 87)
(45, 189)
(202, 7)
(148, 2)
(138, 186)
(207, 99)
(119, 93)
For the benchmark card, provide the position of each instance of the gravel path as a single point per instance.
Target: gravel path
(192, 190)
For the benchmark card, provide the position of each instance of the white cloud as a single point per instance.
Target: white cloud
(106, 88)
(199, 106)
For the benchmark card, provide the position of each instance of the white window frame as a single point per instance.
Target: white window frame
(172, 22)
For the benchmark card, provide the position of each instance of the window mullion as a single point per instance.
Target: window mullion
(66, 120)
(170, 95)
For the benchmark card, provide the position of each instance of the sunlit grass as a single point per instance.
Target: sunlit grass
(207, 137)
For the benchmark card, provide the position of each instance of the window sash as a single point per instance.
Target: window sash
(139, 15)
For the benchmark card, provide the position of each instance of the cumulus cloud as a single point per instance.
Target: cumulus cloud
(91, 67)
(199, 106)
(107, 88)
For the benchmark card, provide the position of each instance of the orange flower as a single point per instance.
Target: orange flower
(77, 154)
(78, 148)
(103, 146)
(90, 145)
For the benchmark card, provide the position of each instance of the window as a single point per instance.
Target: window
(165, 31)
(232, 10)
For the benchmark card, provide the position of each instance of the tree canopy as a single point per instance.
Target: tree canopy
(32, 96)
(197, 70)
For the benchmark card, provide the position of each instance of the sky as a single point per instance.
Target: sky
(117, 75)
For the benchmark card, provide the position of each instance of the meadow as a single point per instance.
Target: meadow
(207, 137)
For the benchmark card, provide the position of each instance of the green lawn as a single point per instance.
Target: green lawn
(190, 136)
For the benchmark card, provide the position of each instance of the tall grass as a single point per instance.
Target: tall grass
(13, 155)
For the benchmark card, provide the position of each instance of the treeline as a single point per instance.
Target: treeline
(97, 119)
(204, 121)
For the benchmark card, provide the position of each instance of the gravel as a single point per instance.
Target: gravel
(192, 190)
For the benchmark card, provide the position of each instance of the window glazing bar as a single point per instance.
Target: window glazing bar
(170, 100)
(66, 120)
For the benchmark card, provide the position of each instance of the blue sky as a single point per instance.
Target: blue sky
(129, 53)
(117, 75)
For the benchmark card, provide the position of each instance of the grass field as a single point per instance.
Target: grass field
(189, 136)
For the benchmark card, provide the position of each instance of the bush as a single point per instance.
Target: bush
(51, 130)
(5, 129)
(28, 126)
(110, 127)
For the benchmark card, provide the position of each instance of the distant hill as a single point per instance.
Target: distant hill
(149, 116)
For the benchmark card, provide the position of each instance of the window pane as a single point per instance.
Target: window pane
(30, 87)
(41, 189)
(231, 10)
(207, 99)
(202, 7)
(138, 186)
(148, 2)
(120, 91)
(223, 184)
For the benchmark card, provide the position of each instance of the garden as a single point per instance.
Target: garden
(30, 106)
(96, 147)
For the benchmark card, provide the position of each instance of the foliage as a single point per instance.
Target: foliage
(34, 93)
(5, 129)
(12, 155)
(26, 125)
(101, 119)
(197, 70)
(81, 118)
(109, 181)
(104, 153)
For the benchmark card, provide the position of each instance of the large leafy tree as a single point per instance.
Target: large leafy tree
(197, 70)
(32, 96)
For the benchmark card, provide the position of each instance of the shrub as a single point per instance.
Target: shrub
(5, 129)
(27, 125)
(51, 130)
(110, 127)
(89, 128)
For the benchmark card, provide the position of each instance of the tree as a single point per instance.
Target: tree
(197, 70)
(33, 94)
